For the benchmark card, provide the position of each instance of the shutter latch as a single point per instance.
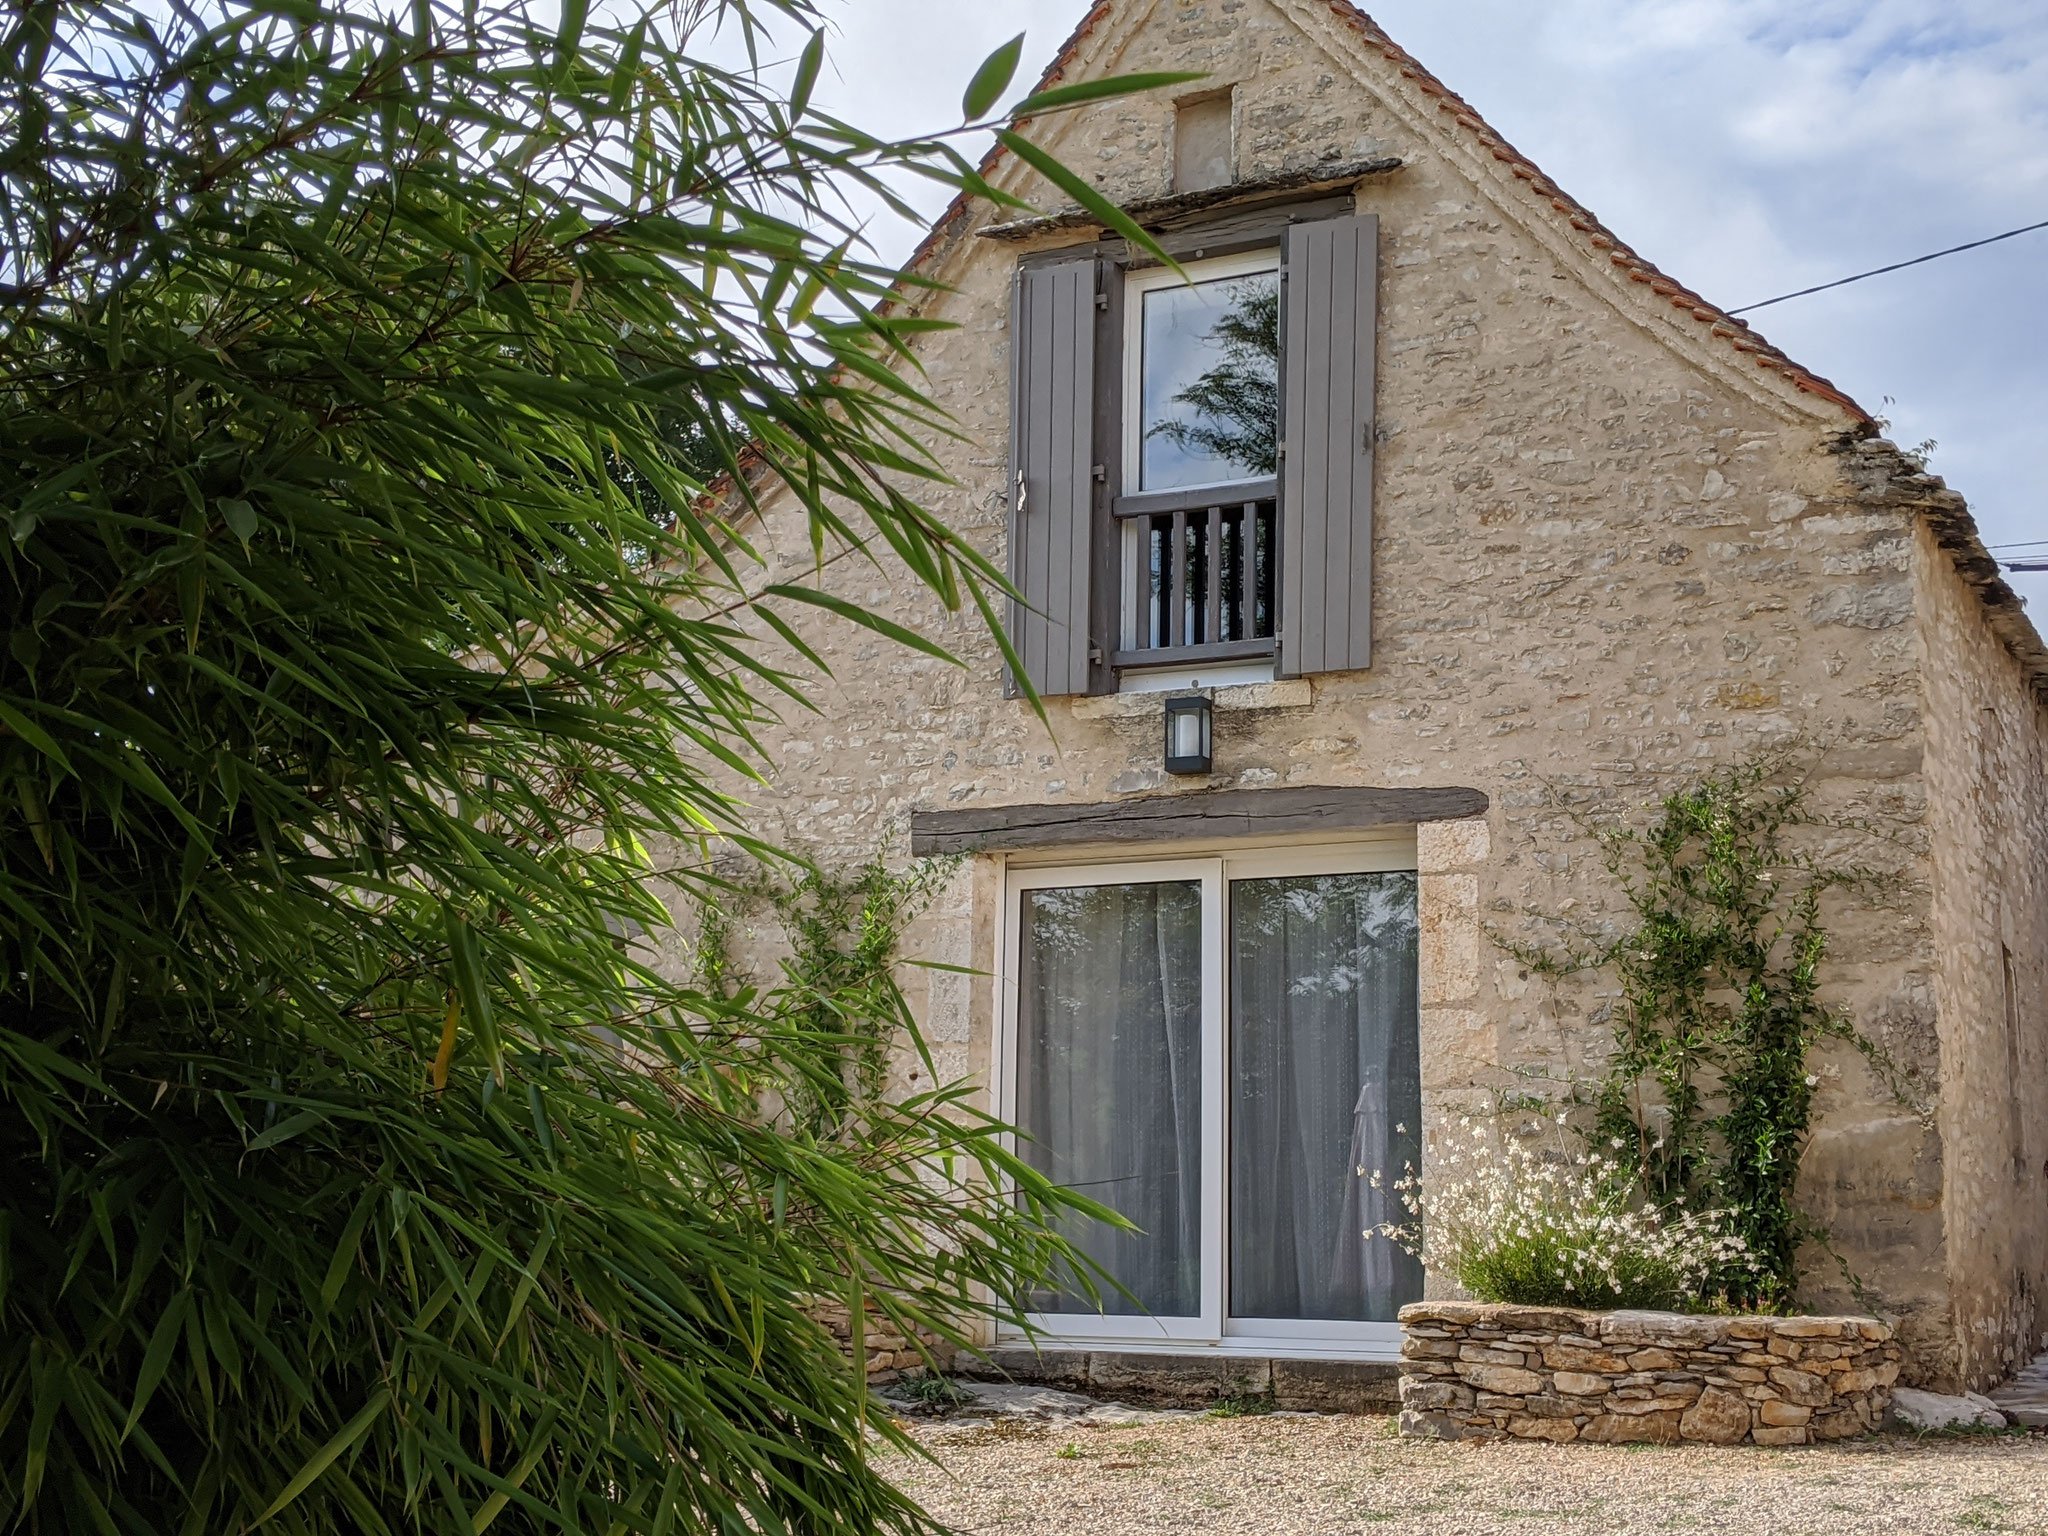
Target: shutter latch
(1020, 493)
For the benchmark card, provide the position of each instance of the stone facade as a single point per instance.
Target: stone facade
(1541, 1373)
(1618, 541)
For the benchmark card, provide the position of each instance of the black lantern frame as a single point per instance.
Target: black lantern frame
(1190, 734)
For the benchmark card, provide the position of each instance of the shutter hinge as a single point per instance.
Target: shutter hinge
(1094, 655)
(1098, 472)
(1102, 301)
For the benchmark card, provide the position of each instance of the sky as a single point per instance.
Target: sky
(1748, 147)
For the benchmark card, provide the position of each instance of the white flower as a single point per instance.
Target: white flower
(1813, 1082)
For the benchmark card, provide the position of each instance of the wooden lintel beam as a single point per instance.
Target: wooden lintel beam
(1187, 817)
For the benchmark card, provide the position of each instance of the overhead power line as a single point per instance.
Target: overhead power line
(1894, 267)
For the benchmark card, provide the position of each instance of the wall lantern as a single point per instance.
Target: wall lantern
(1187, 734)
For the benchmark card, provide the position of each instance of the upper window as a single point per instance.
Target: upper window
(1162, 533)
(1202, 360)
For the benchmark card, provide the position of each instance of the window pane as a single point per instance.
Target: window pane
(1209, 382)
(1109, 1092)
(1325, 1082)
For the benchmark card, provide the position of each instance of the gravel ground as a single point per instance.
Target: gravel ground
(1284, 1474)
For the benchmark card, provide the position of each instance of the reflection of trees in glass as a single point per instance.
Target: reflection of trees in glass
(1237, 402)
(1379, 909)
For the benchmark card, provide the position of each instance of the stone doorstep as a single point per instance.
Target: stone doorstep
(1198, 1380)
(2024, 1399)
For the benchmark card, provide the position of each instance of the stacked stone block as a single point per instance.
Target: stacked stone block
(889, 1353)
(1473, 1371)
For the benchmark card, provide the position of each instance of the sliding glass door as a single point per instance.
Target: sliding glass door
(1325, 1091)
(1224, 1051)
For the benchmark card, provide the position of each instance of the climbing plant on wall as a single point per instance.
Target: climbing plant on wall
(840, 936)
(1707, 1100)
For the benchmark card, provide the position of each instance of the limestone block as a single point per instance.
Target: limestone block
(1448, 951)
(1808, 1327)
(1283, 693)
(1799, 1387)
(1573, 1357)
(1580, 1384)
(1458, 1048)
(1526, 1428)
(1500, 1378)
(1668, 1329)
(1439, 1426)
(1490, 1354)
(1414, 1348)
(1448, 845)
(1780, 1414)
(1633, 1428)
(1426, 1395)
(1934, 1410)
(1765, 1434)
(1718, 1418)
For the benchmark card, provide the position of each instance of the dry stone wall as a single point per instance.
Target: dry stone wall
(889, 1353)
(1473, 1371)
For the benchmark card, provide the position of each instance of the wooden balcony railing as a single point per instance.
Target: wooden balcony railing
(1203, 573)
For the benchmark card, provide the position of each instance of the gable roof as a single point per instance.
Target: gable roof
(1737, 334)
(1947, 513)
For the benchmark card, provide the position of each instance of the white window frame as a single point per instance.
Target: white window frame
(1214, 866)
(1148, 280)
(1137, 284)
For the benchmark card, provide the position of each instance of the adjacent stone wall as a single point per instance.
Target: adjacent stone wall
(889, 1353)
(1471, 1371)
(1987, 777)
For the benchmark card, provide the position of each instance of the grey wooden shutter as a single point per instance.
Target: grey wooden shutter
(1330, 315)
(1052, 482)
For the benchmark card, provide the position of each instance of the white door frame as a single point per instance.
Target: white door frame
(1214, 866)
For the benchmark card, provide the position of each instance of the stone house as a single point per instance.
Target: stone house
(1436, 497)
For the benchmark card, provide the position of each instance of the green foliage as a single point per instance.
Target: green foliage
(931, 1391)
(1708, 1098)
(367, 626)
(838, 986)
(1244, 1405)
(1544, 1226)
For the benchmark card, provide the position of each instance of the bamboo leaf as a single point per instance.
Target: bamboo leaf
(991, 79)
(865, 617)
(1106, 89)
(1078, 188)
(326, 1456)
(808, 64)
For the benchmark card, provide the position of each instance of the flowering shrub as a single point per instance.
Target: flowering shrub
(1549, 1227)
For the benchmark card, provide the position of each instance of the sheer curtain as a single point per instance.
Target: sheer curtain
(1326, 1090)
(1109, 1093)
